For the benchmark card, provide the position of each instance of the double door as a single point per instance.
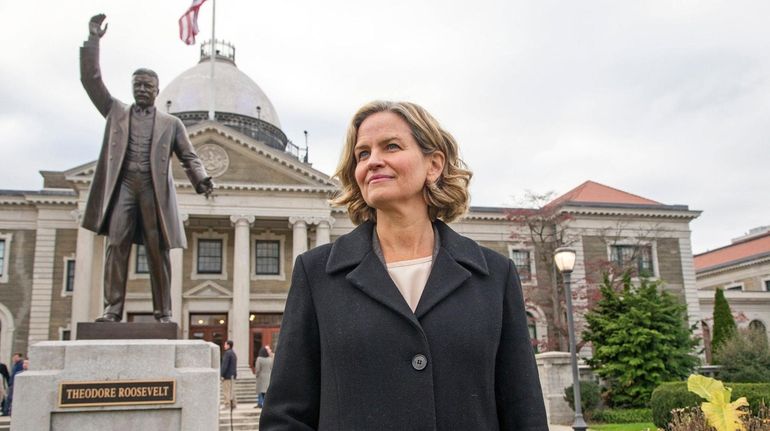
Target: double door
(262, 336)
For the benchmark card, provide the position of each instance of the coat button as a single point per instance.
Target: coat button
(419, 362)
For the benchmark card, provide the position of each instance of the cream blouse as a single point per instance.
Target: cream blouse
(410, 276)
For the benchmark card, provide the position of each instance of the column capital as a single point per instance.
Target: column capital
(242, 218)
(185, 218)
(297, 219)
(311, 220)
(318, 220)
(77, 215)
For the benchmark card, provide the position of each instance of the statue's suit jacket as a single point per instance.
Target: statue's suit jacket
(346, 355)
(168, 136)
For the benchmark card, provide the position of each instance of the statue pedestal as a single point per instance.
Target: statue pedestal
(87, 385)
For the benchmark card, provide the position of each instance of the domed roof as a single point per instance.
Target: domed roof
(234, 91)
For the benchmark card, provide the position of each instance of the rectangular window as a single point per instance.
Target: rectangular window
(268, 257)
(637, 257)
(2, 256)
(210, 256)
(66, 334)
(69, 285)
(521, 259)
(735, 287)
(767, 285)
(141, 260)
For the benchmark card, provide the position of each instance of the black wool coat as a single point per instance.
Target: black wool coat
(353, 356)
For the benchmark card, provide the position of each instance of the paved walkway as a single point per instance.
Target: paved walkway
(560, 428)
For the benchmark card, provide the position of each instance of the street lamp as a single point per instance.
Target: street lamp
(565, 262)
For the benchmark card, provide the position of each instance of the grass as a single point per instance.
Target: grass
(639, 426)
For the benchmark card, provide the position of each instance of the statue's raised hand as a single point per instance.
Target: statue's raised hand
(95, 25)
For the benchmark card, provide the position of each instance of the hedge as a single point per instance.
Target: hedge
(622, 416)
(674, 395)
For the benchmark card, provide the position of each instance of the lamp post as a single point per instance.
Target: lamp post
(565, 262)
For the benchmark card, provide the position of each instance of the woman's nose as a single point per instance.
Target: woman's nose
(375, 159)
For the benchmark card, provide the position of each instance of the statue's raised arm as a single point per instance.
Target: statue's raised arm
(90, 73)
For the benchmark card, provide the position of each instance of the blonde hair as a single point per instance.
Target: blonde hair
(447, 198)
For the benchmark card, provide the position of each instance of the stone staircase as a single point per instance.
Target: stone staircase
(5, 423)
(245, 416)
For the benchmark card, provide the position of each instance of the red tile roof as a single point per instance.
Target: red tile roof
(739, 251)
(592, 192)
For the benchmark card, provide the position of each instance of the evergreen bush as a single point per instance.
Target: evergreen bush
(640, 338)
(590, 396)
(745, 357)
(724, 324)
(622, 416)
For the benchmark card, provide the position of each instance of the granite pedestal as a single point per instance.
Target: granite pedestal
(188, 369)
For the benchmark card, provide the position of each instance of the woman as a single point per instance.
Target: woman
(403, 324)
(263, 366)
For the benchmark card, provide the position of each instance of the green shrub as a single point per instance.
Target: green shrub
(622, 416)
(724, 323)
(745, 357)
(640, 339)
(590, 396)
(669, 396)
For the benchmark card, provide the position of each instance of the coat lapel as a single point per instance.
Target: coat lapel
(373, 279)
(159, 146)
(368, 274)
(457, 257)
(445, 276)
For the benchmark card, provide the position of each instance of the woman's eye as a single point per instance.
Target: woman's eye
(392, 146)
(363, 154)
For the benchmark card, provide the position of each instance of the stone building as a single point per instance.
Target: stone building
(270, 206)
(742, 270)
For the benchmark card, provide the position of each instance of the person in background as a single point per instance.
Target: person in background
(16, 368)
(4, 387)
(228, 375)
(402, 323)
(263, 366)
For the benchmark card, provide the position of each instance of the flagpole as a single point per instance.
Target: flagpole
(213, 54)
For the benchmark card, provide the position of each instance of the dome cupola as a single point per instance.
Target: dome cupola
(238, 101)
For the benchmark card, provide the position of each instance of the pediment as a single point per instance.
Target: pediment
(231, 157)
(237, 160)
(208, 290)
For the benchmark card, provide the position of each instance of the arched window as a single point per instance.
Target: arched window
(532, 327)
(757, 325)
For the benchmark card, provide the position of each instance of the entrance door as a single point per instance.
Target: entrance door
(263, 331)
(262, 336)
(209, 327)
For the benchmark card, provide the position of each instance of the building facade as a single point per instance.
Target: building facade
(742, 270)
(270, 205)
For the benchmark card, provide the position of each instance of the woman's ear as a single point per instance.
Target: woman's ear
(436, 162)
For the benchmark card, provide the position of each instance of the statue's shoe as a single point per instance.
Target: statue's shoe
(109, 318)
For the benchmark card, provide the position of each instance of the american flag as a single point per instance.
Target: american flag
(188, 23)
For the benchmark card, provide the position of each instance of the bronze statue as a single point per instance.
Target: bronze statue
(132, 197)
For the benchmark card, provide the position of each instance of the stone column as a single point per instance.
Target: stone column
(241, 294)
(323, 231)
(42, 285)
(299, 244)
(177, 260)
(555, 370)
(81, 291)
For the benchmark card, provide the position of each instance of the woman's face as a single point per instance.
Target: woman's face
(391, 170)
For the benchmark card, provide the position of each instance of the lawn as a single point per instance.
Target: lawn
(624, 427)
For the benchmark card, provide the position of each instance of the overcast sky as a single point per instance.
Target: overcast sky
(669, 100)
